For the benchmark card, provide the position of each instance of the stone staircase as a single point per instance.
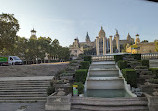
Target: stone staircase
(23, 90)
(110, 104)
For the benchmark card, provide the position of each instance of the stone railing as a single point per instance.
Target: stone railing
(103, 58)
(149, 56)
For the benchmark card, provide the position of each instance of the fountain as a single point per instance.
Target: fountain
(105, 80)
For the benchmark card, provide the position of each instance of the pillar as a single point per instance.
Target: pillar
(97, 46)
(111, 45)
(104, 45)
(118, 43)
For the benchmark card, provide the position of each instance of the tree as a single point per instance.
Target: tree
(145, 41)
(9, 26)
(156, 45)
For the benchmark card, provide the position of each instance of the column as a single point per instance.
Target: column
(97, 46)
(118, 43)
(104, 45)
(111, 45)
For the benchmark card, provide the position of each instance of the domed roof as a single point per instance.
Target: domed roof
(101, 33)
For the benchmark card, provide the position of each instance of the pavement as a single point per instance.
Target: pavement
(38, 106)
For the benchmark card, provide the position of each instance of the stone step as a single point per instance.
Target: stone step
(23, 88)
(22, 95)
(21, 101)
(105, 83)
(16, 82)
(110, 99)
(111, 103)
(102, 108)
(23, 98)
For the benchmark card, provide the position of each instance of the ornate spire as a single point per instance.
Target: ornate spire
(116, 31)
(87, 38)
(116, 35)
(101, 28)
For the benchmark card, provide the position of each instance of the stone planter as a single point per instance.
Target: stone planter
(56, 102)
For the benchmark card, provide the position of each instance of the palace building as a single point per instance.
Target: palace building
(101, 45)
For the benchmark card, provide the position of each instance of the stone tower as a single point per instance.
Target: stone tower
(137, 40)
(76, 43)
(117, 37)
(87, 38)
(33, 34)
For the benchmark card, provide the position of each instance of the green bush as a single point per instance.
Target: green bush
(152, 80)
(130, 76)
(118, 57)
(51, 88)
(122, 64)
(80, 75)
(154, 71)
(80, 87)
(145, 63)
(137, 56)
(84, 64)
(73, 61)
(88, 58)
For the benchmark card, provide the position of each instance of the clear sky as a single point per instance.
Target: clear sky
(68, 19)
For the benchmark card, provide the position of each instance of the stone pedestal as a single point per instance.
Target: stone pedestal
(152, 102)
(56, 102)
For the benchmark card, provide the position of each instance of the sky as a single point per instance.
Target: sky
(67, 19)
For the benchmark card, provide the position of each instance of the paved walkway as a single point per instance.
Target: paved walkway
(26, 78)
(39, 106)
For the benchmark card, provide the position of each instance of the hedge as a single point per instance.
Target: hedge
(130, 76)
(84, 65)
(51, 88)
(118, 57)
(80, 75)
(145, 63)
(88, 58)
(122, 64)
(154, 71)
(137, 56)
(152, 80)
(80, 87)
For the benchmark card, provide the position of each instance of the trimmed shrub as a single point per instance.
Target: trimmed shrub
(122, 64)
(130, 76)
(80, 87)
(84, 65)
(51, 88)
(137, 56)
(145, 63)
(80, 75)
(88, 58)
(152, 80)
(118, 57)
(154, 71)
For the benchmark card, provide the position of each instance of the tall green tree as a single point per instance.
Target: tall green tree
(9, 26)
(156, 45)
